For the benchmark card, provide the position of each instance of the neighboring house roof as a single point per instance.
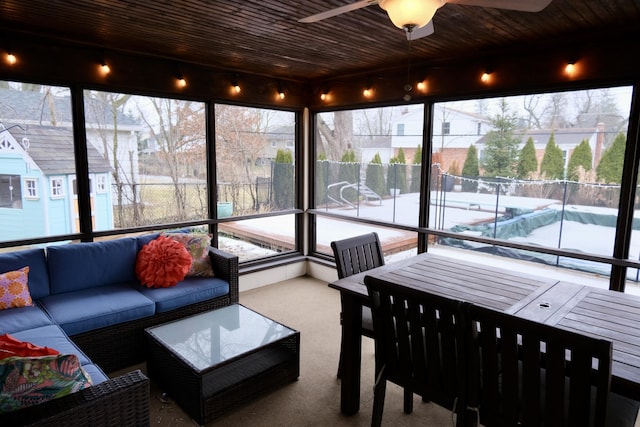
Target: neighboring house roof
(27, 107)
(475, 116)
(568, 136)
(562, 137)
(51, 148)
(375, 141)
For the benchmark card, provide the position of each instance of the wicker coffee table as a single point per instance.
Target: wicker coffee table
(212, 362)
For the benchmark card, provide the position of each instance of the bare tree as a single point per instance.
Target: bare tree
(102, 110)
(334, 142)
(240, 141)
(531, 105)
(180, 128)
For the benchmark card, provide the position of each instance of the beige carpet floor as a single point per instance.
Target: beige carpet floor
(311, 307)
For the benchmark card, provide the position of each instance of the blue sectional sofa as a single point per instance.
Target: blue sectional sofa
(88, 301)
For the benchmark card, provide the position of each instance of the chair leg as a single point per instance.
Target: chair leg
(378, 402)
(408, 401)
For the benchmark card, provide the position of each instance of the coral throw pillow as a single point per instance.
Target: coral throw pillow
(28, 381)
(14, 289)
(162, 263)
(13, 347)
(197, 244)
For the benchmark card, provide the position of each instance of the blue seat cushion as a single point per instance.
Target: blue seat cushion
(38, 275)
(96, 374)
(190, 290)
(95, 308)
(19, 319)
(78, 266)
(52, 336)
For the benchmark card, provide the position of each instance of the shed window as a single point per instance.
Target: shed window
(10, 192)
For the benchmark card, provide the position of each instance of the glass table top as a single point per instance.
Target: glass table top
(208, 339)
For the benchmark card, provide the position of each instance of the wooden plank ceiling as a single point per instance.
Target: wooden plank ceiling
(265, 37)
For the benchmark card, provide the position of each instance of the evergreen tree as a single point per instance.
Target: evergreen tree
(500, 155)
(283, 188)
(581, 157)
(552, 164)
(470, 170)
(375, 175)
(609, 170)
(402, 170)
(527, 162)
(322, 179)
(416, 167)
(396, 175)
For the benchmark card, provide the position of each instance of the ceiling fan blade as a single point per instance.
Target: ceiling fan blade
(337, 11)
(521, 5)
(418, 33)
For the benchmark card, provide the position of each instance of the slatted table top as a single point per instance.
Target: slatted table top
(611, 315)
(477, 283)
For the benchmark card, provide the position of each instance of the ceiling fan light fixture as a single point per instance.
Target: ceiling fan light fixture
(410, 14)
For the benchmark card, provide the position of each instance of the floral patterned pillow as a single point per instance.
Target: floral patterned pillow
(27, 381)
(197, 244)
(14, 289)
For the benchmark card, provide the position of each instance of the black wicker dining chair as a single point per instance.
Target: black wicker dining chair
(419, 346)
(527, 373)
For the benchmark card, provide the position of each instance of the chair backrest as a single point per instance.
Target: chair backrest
(357, 254)
(526, 373)
(419, 340)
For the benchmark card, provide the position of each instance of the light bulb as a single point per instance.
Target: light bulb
(104, 67)
(570, 68)
(11, 58)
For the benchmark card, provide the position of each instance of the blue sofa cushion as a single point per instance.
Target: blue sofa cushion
(80, 266)
(52, 336)
(38, 274)
(20, 319)
(143, 240)
(96, 374)
(90, 309)
(190, 290)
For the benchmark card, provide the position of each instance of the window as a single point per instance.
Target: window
(400, 129)
(101, 184)
(261, 141)
(31, 187)
(364, 169)
(56, 186)
(10, 192)
(32, 181)
(446, 128)
(164, 182)
(479, 130)
(546, 178)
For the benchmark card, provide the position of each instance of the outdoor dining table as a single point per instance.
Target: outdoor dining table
(609, 314)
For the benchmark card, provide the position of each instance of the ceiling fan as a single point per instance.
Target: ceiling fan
(414, 16)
